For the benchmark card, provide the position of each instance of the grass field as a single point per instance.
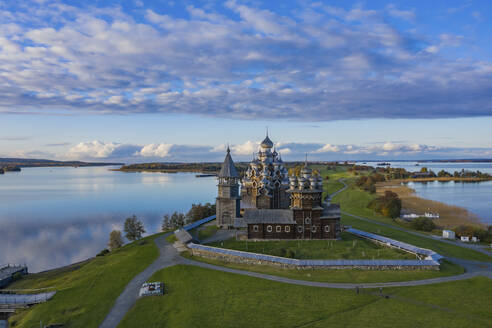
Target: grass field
(350, 247)
(198, 297)
(86, 291)
(340, 276)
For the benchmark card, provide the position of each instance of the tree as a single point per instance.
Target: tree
(166, 222)
(199, 211)
(423, 170)
(178, 220)
(133, 228)
(388, 205)
(115, 240)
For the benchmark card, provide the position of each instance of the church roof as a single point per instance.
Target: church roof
(228, 170)
(268, 216)
(267, 143)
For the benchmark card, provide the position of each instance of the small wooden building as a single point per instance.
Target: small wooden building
(270, 224)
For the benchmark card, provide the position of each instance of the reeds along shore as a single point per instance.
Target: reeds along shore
(450, 216)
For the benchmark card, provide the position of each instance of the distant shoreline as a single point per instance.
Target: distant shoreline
(443, 179)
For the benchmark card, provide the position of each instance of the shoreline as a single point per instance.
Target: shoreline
(451, 216)
(443, 179)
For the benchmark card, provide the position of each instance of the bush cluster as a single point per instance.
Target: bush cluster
(368, 183)
(388, 205)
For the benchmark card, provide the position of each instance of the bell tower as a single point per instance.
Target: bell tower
(228, 198)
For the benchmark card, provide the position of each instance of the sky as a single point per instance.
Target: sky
(144, 81)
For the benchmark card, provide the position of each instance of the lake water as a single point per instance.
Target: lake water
(51, 217)
(474, 196)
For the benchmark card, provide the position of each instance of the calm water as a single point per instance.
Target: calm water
(56, 216)
(474, 196)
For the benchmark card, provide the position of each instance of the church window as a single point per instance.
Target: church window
(308, 220)
(287, 228)
(299, 229)
(255, 228)
(327, 228)
(313, 229)
(278, 228)
(269, 228)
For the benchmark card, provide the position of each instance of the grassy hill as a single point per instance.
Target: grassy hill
(86, 291)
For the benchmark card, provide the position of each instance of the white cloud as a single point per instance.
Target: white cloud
(328, 148)
(155, 150)
(92, 149)
(247, 148)
(237, 61)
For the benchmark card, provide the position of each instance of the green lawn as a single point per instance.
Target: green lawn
(87, 291)
(197, 297)
(350, 247)
(340, 276)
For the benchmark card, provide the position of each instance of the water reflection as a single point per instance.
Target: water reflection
(55, 216)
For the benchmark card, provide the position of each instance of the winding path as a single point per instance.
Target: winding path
(169, 256)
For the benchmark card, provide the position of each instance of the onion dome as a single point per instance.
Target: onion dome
(228, 170)
(312, 181)
(274, 153)
(266, 143)
(293, 182)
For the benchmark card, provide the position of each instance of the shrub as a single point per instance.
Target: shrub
(103, 252)
(423, 224)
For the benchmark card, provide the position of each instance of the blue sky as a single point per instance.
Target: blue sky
(140, 81)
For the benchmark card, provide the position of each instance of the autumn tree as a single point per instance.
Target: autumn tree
(115, 240)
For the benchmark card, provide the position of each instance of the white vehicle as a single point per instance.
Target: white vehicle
(151, 289)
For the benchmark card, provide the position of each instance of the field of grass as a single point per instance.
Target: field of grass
(340, 276)
(197, 297)
(87, 291)
(350, 248)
